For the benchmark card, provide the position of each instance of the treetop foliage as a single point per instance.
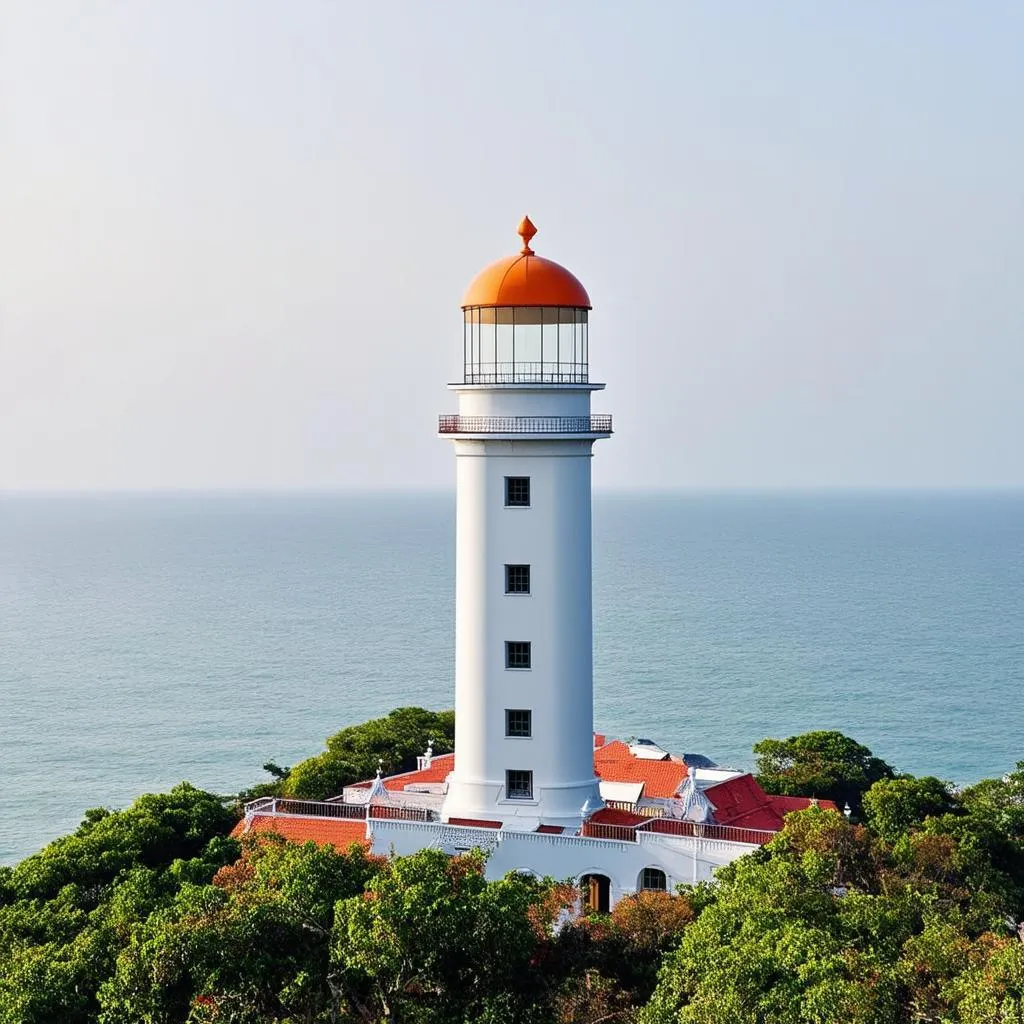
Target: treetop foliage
(824, 764)
(354, 754)
(154, 915)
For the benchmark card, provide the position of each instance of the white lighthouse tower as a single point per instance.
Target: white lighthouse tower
(523, 438)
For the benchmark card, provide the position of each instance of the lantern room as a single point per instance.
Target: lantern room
(525, 322)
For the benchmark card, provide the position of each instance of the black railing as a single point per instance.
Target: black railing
(526, 373)
(524, 424)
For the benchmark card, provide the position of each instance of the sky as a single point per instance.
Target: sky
(234, 235)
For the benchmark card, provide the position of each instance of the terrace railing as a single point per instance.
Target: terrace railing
(396, 812)
(277, 806)
(620, 833)
(728, 833)
(281, 806)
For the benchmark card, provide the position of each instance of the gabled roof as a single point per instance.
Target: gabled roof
(743, 803)
(340, 833)
(614, 762)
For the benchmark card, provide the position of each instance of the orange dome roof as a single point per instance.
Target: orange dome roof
(526, 280)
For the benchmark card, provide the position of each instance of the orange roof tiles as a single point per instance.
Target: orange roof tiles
(615, 763)
(614, 751)
(440, 767)
(340, 833)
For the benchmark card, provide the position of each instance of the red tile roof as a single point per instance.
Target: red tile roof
(440, 767)
(550, 830)
(613, 816)
(743, 803)
(614, 763)
(340, 833)
(475, 822)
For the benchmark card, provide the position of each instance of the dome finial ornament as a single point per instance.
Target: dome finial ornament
(526, 231)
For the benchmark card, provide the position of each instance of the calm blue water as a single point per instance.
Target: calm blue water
(144, 640)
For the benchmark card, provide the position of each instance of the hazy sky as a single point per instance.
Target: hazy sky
(234, 235)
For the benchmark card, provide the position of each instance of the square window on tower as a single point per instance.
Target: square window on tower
(517, 654)
(518, 723)
(517, 492)
(518, 785)
(517, 579)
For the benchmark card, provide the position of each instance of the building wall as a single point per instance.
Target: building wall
(683, 859)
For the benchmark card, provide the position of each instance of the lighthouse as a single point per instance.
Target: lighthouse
(523, 437)
(526, 779)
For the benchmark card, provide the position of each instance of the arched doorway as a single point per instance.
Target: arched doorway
(596, 893)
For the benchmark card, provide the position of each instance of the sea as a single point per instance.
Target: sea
(146, 639)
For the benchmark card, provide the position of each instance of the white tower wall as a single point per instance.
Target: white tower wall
(553, 537)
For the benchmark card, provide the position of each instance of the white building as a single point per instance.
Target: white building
(529, 781)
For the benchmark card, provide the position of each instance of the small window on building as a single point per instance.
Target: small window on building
(518, 722)
(518, 785)
(653, 879)
(517, 492)
(517, 654)
(517, 579)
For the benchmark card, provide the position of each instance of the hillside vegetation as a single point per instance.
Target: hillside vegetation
(152, 915)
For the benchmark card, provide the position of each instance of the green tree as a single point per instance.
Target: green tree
(67, 910)
(893, 807)
(157, 829)
(606, 966)
(824, 764)
(789, 935)
(992, 991)
(431, 941)
(393, 742)
(252, 946)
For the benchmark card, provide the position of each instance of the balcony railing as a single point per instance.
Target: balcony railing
(456, 424)
(728, 833)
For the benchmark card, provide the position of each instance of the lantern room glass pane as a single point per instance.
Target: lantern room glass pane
(525, 344)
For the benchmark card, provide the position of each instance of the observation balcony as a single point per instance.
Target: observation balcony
(455, 424)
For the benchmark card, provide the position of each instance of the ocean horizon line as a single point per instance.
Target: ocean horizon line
(739, 490)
